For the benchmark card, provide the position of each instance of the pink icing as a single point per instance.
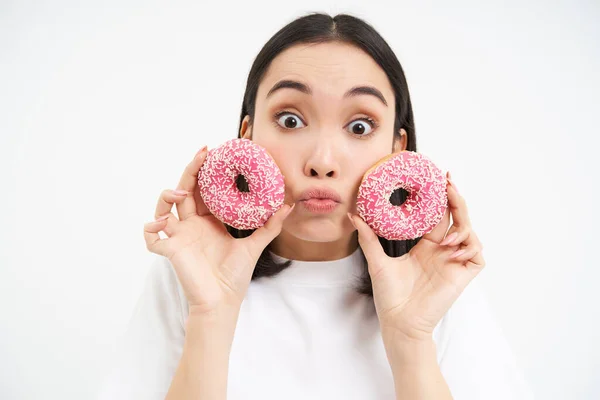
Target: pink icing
(423, 209)
(217, 177)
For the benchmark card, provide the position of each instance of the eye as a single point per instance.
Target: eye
(290, 120)
(363, 127)
(359, 127)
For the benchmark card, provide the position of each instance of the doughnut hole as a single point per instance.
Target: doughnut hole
(242, 186)
(241, 183)
(398, 196)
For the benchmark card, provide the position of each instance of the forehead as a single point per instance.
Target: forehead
(331, 67)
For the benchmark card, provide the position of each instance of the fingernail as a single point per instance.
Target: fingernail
(180, 192)
(449, 239)
(457, 253)
(161, 218)
(351, 220)
(200, 151)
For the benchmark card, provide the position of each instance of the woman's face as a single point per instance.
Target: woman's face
(323, 138)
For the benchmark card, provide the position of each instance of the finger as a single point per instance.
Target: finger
(470, 257)
(461, 223)
(368, 241)
(166, 200)
(464, 254)
(476, 262)
(261, 237)
(165, 203)
(470, 250)
(192, 204)
(458, 207)
(171, 225)
(456, 236)
(163, 209)
(154, 243)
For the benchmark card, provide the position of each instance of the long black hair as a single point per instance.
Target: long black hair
(322, 28)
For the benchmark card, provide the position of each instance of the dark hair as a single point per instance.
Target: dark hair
(322, 28)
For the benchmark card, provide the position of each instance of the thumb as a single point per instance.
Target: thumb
(261, 237)
(368, 241)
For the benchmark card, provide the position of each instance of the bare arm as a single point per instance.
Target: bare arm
(416, 372)
(203, 368)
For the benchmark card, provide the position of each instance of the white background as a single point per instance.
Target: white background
(102, 105)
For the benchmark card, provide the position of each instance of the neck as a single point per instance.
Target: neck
(294, 248)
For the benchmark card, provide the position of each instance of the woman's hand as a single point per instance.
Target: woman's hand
(413, 292)
(213, 267)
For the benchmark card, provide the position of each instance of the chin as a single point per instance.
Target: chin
(316, 230)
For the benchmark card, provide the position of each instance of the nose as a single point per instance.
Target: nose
(322, 161)
(313, 172)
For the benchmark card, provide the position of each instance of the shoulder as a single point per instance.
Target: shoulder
(470, 317)
(149, 350)
(475, 357)
(471, 302)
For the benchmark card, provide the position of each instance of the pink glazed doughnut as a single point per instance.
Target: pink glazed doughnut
(217, 182)
(424, 207)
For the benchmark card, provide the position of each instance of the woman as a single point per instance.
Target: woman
(320, 306)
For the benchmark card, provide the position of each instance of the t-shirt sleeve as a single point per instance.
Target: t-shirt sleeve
(149, 351)
(477, 361)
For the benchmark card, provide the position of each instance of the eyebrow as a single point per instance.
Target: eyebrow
(355, 91)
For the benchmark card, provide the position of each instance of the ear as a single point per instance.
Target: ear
(401, 142)
(246, 129)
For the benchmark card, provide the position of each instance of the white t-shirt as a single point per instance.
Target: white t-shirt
(306, 334)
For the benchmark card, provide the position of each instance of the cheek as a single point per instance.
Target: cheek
(365, 157)
(360, 163)
(267, 137)
(284, 157)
